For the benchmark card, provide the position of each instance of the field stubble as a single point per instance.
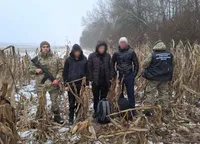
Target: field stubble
(181, 125)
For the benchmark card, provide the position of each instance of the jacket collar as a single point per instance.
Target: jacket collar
(123, 50)
(100, 55)
(49, 54)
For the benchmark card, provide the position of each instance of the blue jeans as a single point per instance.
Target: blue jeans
(129, 83)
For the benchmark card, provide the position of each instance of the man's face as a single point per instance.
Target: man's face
(45, 49)
(101, 49)
(77, 53)
(123, 45)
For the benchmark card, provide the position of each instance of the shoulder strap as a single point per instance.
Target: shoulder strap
(35, 59)
(108, 107)
(98, 107)
(104, 110)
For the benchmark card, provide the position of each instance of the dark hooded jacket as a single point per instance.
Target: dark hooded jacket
(75, 69)
(100, 69)
(126, 59)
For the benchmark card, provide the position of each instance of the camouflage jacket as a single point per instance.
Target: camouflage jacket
(53, 64)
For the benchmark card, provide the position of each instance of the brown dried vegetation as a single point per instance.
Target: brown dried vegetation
(179, 125)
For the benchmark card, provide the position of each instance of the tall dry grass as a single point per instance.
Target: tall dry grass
(173, 128)
(13, 74)
(13, 70)
(184, 99)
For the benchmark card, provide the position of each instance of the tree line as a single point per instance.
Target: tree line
(141, 21)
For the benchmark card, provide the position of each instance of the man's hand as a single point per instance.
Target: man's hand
(38, 70)
(83, 81)
(67, 89)
(55, 83)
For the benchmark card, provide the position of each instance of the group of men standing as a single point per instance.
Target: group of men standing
(99, 69)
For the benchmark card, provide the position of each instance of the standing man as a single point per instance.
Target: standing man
(75, 68)
(127, 64)
(100, 73)
(53, 65)
(158, 69)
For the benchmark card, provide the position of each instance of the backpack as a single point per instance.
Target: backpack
(123, 104)
(103, 110)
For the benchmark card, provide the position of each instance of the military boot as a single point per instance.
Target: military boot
(148, 113)
(57, 117)
(71, 122)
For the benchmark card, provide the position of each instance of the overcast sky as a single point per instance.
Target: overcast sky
(32, 21)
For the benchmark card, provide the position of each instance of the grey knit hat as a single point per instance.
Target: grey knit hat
(44, 43)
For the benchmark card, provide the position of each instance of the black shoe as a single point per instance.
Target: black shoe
(57, 117)
(148, 113)
(71, 122)
(71, 118)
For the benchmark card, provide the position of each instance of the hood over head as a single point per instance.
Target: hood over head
(76, 47)
(101, 43)
(159, 46)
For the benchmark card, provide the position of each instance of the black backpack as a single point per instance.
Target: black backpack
(123, 103)
(103, 110)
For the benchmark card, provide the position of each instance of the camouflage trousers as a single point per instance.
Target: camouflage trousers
(55, 100)
(157, 93)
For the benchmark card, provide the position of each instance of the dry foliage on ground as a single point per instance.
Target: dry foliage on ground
(179, 126)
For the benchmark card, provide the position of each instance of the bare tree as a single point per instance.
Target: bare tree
(136, 19)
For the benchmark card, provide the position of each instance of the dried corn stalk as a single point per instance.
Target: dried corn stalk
(8, 133)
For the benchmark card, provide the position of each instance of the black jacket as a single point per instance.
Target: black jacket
(75, 69)
(161, 67)
(126, 59)
(96, 61)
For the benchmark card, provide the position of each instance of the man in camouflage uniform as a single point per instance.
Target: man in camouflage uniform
(158, 69)
(54, 66)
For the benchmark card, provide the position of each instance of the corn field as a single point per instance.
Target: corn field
(181, 125)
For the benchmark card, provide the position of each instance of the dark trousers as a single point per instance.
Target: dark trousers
(99, 92)
(72, 102)
(129, 83)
